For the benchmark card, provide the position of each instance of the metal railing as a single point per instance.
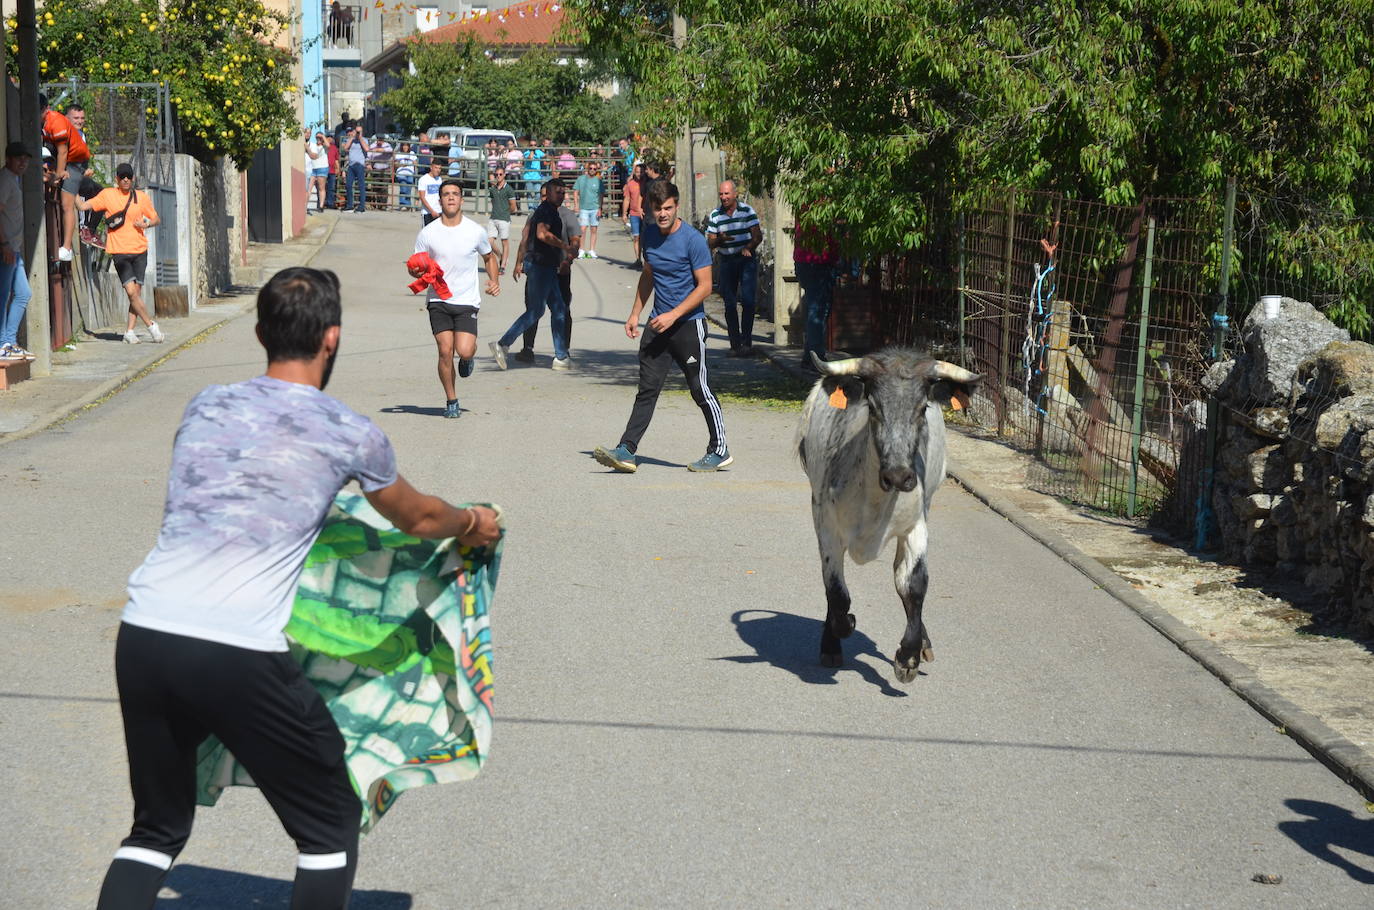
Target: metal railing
(342, 25)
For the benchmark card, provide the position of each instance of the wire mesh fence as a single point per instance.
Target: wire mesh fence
(1095, 325)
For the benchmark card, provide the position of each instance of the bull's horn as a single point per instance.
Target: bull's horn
(848, 367)
(943, 369)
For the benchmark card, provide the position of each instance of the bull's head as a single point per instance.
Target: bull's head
(896, 384)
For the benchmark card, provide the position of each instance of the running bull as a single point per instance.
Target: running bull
(872, 441)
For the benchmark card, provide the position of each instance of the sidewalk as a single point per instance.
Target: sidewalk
(93, 368)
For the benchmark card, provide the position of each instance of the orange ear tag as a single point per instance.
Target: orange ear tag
(959, 401)
(838, 399)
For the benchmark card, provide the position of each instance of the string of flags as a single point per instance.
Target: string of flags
(524, 10)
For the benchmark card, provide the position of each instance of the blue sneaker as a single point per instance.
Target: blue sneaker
(620, 458)
(711, 462)
(452, 410)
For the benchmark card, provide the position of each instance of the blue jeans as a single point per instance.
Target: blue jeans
(542, 291)
(818, 291)
(737, 277)
(331, 186)
(15, 294)
(356, 174)
(404, 184)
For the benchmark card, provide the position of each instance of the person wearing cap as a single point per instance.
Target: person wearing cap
(14, 278)
(73, 157)
(316, 167)
(127, 244)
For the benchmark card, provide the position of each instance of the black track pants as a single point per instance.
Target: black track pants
(174, 691)
(684, 344)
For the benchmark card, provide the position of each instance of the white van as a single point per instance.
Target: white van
(468, 165)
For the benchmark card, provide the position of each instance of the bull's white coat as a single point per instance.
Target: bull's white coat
(849, 506)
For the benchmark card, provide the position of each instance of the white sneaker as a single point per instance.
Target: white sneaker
(130, 337)
(562, 364)
(498, 352)
(156, 333)
(64, 254)
(591, 254)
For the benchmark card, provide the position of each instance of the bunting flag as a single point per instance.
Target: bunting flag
(393, 632)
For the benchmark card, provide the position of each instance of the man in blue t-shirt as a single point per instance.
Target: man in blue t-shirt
(677, 269)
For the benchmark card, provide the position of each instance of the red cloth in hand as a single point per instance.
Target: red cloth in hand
(433, 276)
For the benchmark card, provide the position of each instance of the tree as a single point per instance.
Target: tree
(229, 84)
(872, 108)
(534, 95)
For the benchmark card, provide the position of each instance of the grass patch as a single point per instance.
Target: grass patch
(775, 391)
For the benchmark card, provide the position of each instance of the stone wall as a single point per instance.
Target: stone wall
(1294, 486)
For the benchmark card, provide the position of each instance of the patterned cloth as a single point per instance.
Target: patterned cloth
(393, 631)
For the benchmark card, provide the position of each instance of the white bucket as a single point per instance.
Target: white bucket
(1271, 305)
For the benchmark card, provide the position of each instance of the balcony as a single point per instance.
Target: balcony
(342, 39)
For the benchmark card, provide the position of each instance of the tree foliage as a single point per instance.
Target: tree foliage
(230, 85)
(870, 108)
(535, 95)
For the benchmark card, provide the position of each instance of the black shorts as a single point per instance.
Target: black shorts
(130, 266)
(446, 318)
(426, 218)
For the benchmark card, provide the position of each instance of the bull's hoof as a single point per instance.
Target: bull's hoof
(927, 654)
(831, 660)
(845, 626)
(903, 672)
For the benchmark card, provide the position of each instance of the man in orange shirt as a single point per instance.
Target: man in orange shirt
(127, 244)
(73, 157)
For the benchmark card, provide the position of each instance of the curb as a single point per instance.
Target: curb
(1346, 760)
(139, 369)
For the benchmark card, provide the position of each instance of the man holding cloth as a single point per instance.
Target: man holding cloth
(455, 243)
(128, 213)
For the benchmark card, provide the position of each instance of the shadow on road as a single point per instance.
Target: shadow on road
(415, 409)
(792, 643)
(1327, 827)
(216, 889)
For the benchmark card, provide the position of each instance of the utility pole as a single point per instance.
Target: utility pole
(682, 152)
(38, 334)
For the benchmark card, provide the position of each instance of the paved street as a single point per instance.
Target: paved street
(664, 734)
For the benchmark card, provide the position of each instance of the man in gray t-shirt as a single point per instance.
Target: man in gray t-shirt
(201, 649)
(356, 148)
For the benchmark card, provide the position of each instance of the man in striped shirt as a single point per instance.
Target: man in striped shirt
(733, 231)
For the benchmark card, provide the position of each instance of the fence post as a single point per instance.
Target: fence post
(963, 357)
(1137, 416)
(1004, 354)
(1220, 323)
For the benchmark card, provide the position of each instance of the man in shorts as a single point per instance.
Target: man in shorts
(73, 157)
(201, 648)
(587, 191)
(455, 244)
(632, 207)
(677, 271)
(127, 244)
(502, 196)
(429, 191)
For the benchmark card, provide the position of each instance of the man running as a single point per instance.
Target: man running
(429, 192)
(677, 269)
(201, 649)
(455, 243)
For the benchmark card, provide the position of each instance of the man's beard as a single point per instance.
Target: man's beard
(328, 369)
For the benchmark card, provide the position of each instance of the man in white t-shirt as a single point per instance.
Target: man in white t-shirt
(455, 243)
(429, 191)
